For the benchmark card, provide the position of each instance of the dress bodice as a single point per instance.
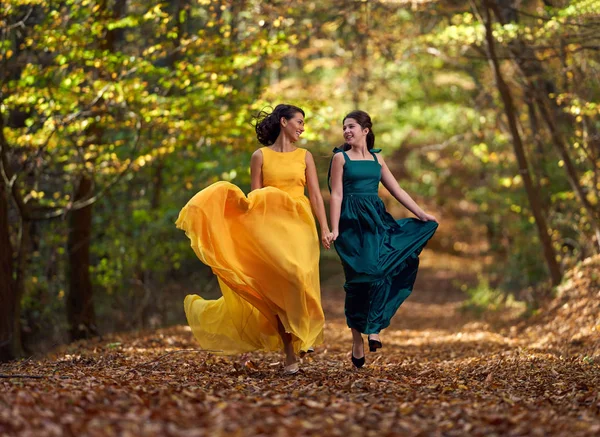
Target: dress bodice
(361, 176)
(285, 170)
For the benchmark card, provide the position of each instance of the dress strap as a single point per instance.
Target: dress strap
(335, 150)
(373, 152)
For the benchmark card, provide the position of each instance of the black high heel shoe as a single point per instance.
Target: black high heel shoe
(358, 362)
(374, 345)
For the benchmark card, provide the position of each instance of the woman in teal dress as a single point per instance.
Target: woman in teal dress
(380, 255)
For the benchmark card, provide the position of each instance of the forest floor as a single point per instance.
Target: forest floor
(442, 371)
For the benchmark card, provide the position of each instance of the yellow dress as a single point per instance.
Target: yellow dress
(264, 249)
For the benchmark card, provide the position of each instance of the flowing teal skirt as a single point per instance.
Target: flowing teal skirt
(380, 257)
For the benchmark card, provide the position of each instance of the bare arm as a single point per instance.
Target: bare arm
(256, 180)
(316, 200)
(390, 182)
(337, 193)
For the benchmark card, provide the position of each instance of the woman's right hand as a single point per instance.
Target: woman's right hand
(334, 234)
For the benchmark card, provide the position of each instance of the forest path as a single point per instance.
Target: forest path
(442, 371)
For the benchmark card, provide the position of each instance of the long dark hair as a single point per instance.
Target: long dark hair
(268, 124)
(365, 122)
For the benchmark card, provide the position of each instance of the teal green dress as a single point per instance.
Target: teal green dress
(380, 255)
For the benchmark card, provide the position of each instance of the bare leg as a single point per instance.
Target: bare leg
(288, 348)
(374, 337)
(358, 349)
(374, 342)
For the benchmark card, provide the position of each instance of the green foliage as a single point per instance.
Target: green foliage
(152, 101)
(483, 298)
(487, 170)
(155, 101)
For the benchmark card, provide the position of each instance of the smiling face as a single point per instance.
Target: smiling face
(293, 127)
(354, 134)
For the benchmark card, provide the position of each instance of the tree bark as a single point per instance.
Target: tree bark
(80, 298)
(23, 255)
(560, 145)
(552, 115)
(12, 269)
(80, 304)
(511, 115)
(8, 291)
(538, 154)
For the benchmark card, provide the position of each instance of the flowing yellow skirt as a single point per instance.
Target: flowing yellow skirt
(264, 250)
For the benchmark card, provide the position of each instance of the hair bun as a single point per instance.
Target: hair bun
(268, 125)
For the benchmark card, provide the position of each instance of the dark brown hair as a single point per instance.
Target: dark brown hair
(364, 120)
(268, 124)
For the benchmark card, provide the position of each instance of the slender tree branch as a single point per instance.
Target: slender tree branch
(21, 22)
(92, 199)
(442, 145)
(544, 18)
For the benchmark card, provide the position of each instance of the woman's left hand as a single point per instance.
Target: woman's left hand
(428, 218)
(326, 239)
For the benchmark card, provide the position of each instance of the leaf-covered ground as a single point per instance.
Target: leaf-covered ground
(442, 372)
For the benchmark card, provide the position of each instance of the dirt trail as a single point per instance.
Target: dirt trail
(441, 372)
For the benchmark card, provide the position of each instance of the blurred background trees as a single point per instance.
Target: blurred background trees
(113, 113)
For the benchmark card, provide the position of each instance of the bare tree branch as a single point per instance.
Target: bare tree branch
(543, 18)
(21, 22)
(92, 199)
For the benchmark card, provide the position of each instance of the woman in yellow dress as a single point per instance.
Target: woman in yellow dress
(264, 249)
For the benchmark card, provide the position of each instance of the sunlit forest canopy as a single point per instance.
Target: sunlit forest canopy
(114, 113)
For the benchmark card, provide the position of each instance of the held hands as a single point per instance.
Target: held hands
(334, 234)
(327, 238)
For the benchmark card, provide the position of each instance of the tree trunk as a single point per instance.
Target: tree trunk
(554, 117)
(80, 305)
(511, 115)
(12, 274)
(560, 145)
(539, 153)
(8, 290)
(591, 148)
(23, 255)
